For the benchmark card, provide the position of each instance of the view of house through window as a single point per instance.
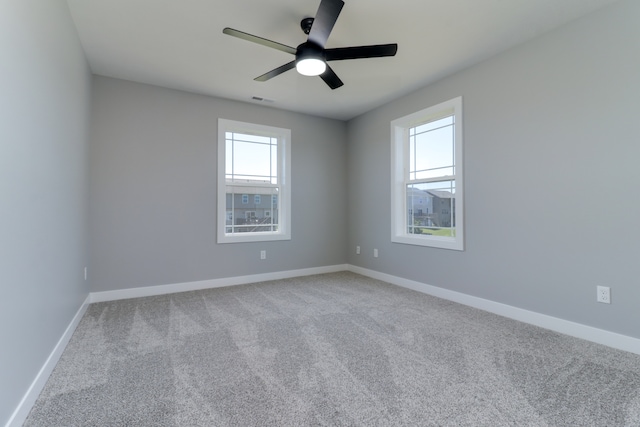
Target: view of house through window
(430, 188)
(251, 171)
(252, 182)
(427, 177)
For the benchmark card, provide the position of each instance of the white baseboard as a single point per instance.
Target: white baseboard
(209, 284)
(589, 333)
(24, 407)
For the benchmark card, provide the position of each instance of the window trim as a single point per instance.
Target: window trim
(284, 185)
(400, 175)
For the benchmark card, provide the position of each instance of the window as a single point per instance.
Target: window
(253, 161)
(426, 169)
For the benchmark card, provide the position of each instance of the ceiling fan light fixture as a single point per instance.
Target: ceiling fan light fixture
(311, 66)
(310, 59)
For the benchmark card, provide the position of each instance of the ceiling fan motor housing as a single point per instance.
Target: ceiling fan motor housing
(309, 50)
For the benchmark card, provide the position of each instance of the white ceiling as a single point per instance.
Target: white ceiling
(179, 44)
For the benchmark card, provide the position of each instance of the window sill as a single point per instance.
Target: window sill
(252, 237)
(431, 241)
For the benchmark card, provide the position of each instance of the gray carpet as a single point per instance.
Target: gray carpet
(328, 350)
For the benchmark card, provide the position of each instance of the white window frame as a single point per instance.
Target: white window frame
(400, 176)
(284, 182)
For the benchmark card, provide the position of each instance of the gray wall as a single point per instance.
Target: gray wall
(44, 117)
(551, 136)
(552, 144)
(153, 189)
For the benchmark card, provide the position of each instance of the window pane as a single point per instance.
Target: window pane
(434, 153)
(228, 158)
(251, 161)
(251, 157)
(431, 208)
(274, 208)
(412, 155)
(274, 161)
(246, 212)
(433, 125)
(250, 138)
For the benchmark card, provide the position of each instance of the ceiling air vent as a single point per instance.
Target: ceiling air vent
(261, 99)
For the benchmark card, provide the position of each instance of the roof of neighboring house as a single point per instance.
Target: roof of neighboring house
(433, 193)
(441, 194)
(251, 187)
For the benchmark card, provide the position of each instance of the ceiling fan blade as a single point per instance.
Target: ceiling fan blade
(331, 78)
(259, 40)
(324, 21)
(276, 72)
(357, 52)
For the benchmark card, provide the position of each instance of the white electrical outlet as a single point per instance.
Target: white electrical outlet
(604, 294)
(357, 250)
(263, 254)
(85, 273)
(375, 253)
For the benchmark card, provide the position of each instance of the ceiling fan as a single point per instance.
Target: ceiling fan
(311, 56)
